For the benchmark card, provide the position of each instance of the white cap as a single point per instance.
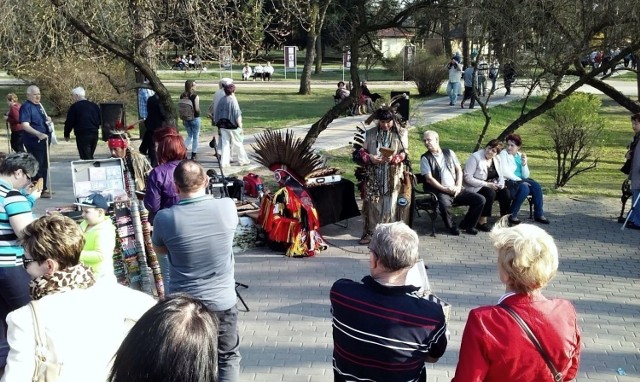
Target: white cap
(79, 91)
(226, 81)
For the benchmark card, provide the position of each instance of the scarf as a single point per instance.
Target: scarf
(75, 277)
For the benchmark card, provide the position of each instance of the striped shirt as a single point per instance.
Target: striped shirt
(383, 333)
(12, 203)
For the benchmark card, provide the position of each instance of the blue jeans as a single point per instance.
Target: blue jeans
(193, 134)
(453, 88)
(14, 294)
(635, 213)
(163, 261)
(525, 188)
(228, 345)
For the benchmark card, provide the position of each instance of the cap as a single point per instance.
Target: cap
(95, 201)
(226, 81)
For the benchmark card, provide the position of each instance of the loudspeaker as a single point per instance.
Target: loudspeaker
(403, 105)
(113, 117)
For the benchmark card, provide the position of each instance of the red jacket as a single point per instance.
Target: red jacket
(494, 347)
(14, 117)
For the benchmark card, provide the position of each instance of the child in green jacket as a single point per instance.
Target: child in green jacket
(99, 235)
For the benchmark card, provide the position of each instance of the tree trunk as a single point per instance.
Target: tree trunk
(305, 79)
(319, 54)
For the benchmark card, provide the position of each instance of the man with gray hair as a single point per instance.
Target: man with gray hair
(84, 119)
(217, 96)
(382, 329)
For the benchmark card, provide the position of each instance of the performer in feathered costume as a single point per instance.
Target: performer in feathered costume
(288, 216)
(385, 184)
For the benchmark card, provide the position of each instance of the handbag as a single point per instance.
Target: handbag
(225, 123)
(557, 376)
(47, 367)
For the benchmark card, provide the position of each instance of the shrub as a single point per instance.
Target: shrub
(427, 69)
(575, 130)
(104, 81)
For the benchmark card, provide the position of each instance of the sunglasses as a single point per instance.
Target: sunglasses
(26, 262)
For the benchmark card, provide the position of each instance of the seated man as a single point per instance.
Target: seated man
(267, 72)
(443, 176)
(258, 72)
(382, 330)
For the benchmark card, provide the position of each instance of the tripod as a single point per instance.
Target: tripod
(225, 190)
(632, 210)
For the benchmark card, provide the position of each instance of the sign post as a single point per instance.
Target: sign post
(408, 57)
(346, 60)
(225, 60)
(290, 61)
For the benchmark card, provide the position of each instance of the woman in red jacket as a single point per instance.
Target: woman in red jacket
(494, 347)
(13, 119)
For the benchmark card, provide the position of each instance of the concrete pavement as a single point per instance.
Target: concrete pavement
(287, 334)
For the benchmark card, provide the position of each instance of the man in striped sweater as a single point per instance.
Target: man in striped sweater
(382, 329)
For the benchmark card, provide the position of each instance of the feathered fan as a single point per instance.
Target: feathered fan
(276, 149)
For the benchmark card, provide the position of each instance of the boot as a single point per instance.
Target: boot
(193, 156)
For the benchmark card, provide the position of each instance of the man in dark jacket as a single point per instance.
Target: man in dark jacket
(83, 118)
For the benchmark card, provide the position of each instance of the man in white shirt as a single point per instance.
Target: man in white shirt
(268, 72)
(443, 176)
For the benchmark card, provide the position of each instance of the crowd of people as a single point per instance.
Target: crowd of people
(56, 276)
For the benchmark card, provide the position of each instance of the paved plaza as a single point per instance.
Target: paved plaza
(286, 336)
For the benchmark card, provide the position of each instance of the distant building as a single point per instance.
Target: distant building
(393, 40)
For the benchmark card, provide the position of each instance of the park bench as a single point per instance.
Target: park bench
(428, 202)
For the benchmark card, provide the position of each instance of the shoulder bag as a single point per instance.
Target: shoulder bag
(47, 367)
(557, 376)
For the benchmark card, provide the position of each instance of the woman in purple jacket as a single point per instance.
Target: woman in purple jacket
(161, 192)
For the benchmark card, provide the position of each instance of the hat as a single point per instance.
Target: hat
(95, 201)
(226, 81)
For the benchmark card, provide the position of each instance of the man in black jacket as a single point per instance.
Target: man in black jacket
(83, 118)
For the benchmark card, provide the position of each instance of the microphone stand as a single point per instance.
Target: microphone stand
(213, 144)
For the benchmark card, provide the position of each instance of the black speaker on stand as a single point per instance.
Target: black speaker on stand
(403, 104)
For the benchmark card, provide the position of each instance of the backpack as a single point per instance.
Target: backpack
(253, 185)
(185, 109)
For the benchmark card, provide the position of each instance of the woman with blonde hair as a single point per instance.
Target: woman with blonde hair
(495, 347)
(84, 321)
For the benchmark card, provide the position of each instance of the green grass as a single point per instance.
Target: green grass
(461, 133)
(626, 76)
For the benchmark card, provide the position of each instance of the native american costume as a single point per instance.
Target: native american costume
(288, 216)
(385, 188)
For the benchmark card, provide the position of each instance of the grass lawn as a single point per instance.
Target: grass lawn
(461, 133)
(626, 76)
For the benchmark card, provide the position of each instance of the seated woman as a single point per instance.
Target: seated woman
(483, 174)
(515, 170)
(341, 92)
(246, 72)
(365, 91)
(84, 321)
(494, 346)
(176, 340)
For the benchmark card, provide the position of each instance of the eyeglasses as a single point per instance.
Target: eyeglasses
(26, 175)
(26, 262)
